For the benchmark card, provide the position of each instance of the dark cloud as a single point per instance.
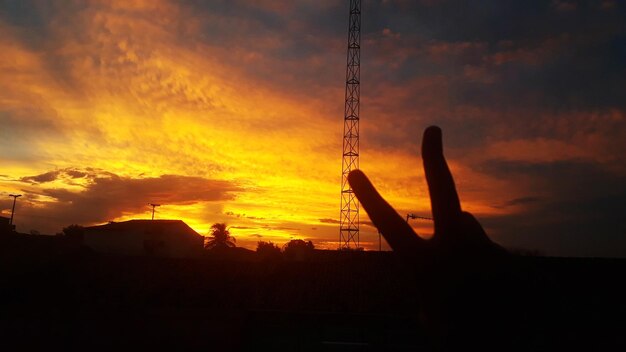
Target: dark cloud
(42, 178)
(242, 227)
(43, 26)
(520, 201)
(255, 217)
(21, 128)
(76, 173)
(334, 221)
(560, 179)
(571, 71)
(586, 227)
(489, 69)
(37, 16)
(532, 53)
(281, 228)
(489, 20)
(368, 223)
(166, 189)
(579, 214)
(106, 196)
(230, 213)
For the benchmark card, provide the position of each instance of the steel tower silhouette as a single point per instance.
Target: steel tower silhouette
(349, 217)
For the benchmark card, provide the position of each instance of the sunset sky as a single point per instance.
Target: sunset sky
(232, 111)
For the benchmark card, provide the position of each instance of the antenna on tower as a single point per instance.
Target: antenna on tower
(413, 216)
(154, 206)
(349, 216)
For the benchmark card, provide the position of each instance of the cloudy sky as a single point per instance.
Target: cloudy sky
(233, 111)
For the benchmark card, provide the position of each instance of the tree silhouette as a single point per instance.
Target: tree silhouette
(74, 232)
(298, 249)
(268, 250)
(220, 237)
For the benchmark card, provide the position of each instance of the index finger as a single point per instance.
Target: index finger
(397, 232)
(444, 199)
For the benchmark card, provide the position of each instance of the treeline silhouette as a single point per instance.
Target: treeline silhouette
(221, 244)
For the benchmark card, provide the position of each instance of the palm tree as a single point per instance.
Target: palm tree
(220, 237)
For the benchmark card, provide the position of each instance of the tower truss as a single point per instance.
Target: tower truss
(349, 217)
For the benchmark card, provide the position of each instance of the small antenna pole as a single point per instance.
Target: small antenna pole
(154, 206)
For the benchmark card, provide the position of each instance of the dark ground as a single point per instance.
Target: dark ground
(53, 295)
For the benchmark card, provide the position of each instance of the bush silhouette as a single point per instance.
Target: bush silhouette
(74, 232)
(298, 249)
(268, 251)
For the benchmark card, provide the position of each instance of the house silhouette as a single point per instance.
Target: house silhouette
(162, 238)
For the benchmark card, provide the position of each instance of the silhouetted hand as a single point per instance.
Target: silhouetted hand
(459, 268)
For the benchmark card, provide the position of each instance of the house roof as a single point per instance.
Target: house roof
(147, 226)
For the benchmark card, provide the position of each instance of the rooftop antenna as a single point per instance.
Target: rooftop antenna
(349, 206)
(15, 196)
(154, 206)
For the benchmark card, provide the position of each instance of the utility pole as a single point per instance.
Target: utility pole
(154, 206)
(15, 196)
(349, 206)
